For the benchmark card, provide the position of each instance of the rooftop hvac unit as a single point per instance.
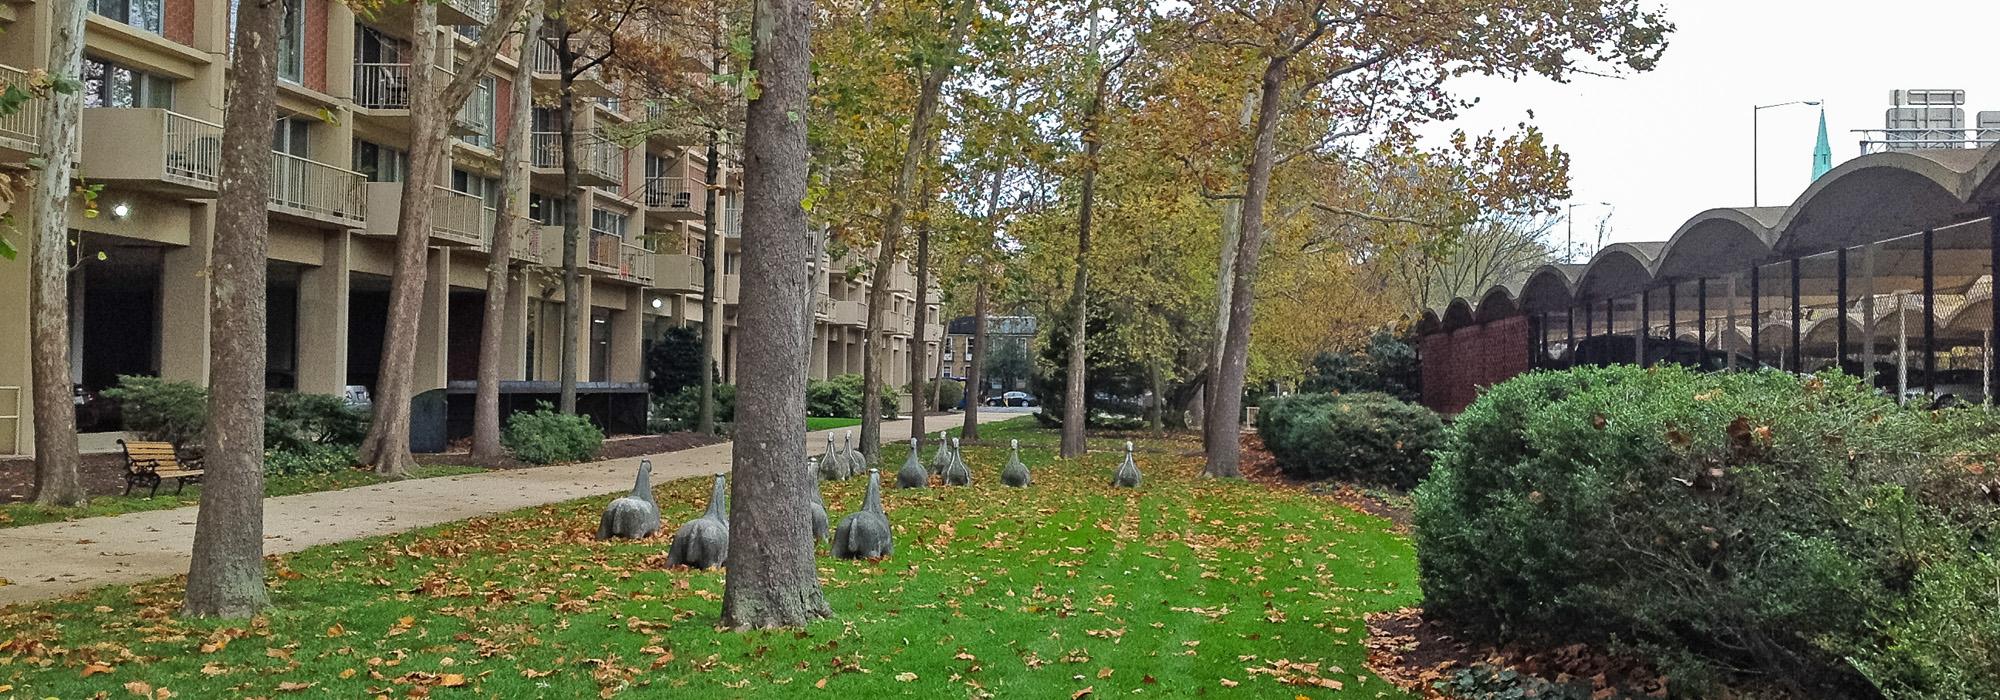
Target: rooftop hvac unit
(1989, 128)
(1927, 98)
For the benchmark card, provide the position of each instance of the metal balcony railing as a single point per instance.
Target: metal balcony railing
(382, 85)
(25, 124)
(193, 149)
(732, 221)
(317, 190)
(601, 251)
(459, 217)
(597, 158)
(679, 194)
(1881, 140)
(527, 243)
(636, 263)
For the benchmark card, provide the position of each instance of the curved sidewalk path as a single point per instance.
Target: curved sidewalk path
(57, 559)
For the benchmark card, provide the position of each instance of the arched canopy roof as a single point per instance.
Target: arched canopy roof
(1428, 323)
(1497, 303)
(1618, 269)
(1877, 196)
(1458, 314)
(1551, 288)
(1985, 180)
(1718, 242)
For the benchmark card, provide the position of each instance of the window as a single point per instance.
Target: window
(107, 84)
(292, 42)
(550, 211)
(380, 163)
(607, 222)
(477, 114)
(372, 46)
(697, 247)
(480, 186)
(144, 14)
(656, 166)
(289, 137)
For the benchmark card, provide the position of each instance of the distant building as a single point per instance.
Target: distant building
(956, 359)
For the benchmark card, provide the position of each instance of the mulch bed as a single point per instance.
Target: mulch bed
(103, 475)
(1415, 653)
(618, 447)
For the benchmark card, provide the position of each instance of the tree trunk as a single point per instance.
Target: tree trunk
(573, 308)
(1074, 416)
(915, 150)
(1155, 411)
(1220, 424)
(975, 378)
(773, 580)
(387, 445)
(919, 369)
(57, 482)
(499, 270)
(226, 574)
(711, 287)
(1225, 278)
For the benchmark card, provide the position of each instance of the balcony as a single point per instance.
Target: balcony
(676, 198)
(732, 222)
(822, 307)
(901, 280)
(545, 68)
(528, 245)
(20, 132)
(152, 149)
(457, 218)
(597, 164)
(935, 332)
(449, 13)
(678, 272)
(317, 192)
(732, 288)
(850, 313)
(382, 91)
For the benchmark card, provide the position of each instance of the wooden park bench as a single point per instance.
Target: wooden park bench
(147, 463)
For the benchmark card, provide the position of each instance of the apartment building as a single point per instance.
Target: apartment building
(151, 136)
(1015, 332)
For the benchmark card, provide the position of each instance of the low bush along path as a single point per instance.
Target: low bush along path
(1186, 587)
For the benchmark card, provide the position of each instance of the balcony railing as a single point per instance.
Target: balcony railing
(597, 159)
(602, 251)
(24, 126)
(1880, 140)
(459, 217)
(679, 272)
(527, 243)
(676, 194)
(382, 85)
(317, 190)
(194, 149)
(732, 221)
(635, 263)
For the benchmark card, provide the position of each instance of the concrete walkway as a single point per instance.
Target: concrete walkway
(57, 559)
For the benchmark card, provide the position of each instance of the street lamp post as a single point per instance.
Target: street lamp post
(1569, 234)
(1754, 110)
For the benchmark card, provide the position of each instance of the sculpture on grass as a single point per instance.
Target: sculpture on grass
(941, 458)
(865, 535)
(634, 516)
(956, 473)
(703, 543)
(1128, 471)
(831, 465)
(913, 475)
(1016, 472)
(816, 510)
(852, 460)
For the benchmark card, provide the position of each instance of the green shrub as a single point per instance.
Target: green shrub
(948, 392)
(310, 459)
(1365, 437)
(545, 436)
(1805, 531)
(682, 409)
(161, 410)
(840, 397)
(298, 422)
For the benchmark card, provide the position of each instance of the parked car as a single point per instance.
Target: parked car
(1012, 398)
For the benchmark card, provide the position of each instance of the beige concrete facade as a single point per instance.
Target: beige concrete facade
(151, 137)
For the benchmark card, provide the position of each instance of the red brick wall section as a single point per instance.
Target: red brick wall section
(179, 22)
(503, 113)
(1455, 366)
(316, 44)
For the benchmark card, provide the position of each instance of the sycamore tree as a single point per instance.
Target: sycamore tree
(1368, 68)
(508, 218)
(387, 444)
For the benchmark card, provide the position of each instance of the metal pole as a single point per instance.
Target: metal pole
(1868, 314)
(1930, 317)
(1756, 331)
(1840, 292)
(1728, 355)
(1673, 311)
(1992, 285)
(1701, 319)
(1569, 328)
(1639, 331)
(1798, 360)
(1753, 167)
(1610, 327)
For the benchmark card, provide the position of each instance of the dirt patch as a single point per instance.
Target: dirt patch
(103, 475)
(1259, 466)
(1417, 654)
(459, 452)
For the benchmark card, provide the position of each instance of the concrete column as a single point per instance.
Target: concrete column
(628, 338)
(514, 333)
(184, 302)
(17, 434)
(324, 294)
(580, 335)
(817, 369)
(433, 322)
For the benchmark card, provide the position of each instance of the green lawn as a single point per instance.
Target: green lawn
(821, 423)
(1184, 588)
(18, 514)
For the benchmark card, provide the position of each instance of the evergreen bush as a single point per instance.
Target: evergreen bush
(161, 410)
(1365, 437)
(840, 397)
(297, 422)
(545, 436)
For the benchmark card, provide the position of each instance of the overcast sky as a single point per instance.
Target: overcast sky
(1664, 145)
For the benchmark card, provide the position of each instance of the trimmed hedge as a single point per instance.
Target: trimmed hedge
(1365, 437)
(161, 410)
(1807, 532)
(840, 397)
(544, 436)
